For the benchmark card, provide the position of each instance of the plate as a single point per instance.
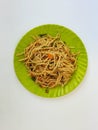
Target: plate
(72, 40)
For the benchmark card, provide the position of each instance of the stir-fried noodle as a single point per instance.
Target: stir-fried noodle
(49, 61)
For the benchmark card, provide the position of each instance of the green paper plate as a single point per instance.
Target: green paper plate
(72, 40)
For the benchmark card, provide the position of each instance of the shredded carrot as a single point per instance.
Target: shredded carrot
(50, 56)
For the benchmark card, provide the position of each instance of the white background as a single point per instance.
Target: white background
(21, 110)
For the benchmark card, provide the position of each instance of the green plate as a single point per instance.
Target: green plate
(72, 40)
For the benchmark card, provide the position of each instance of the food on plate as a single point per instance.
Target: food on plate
(49, 61)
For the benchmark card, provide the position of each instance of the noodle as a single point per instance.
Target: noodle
(49, 61)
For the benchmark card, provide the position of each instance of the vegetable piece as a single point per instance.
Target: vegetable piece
(50, 56)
